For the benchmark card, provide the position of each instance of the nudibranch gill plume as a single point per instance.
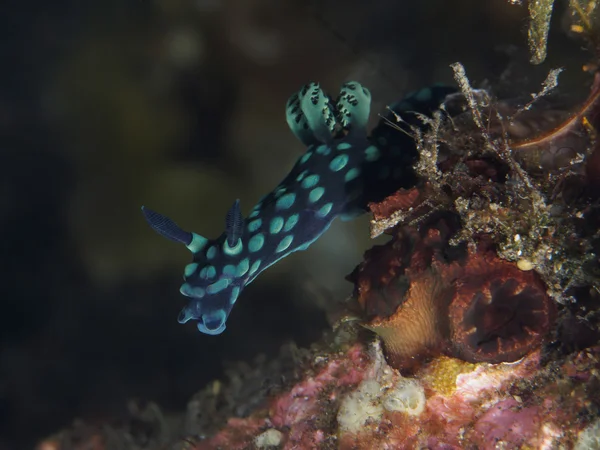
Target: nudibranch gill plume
(341, 171)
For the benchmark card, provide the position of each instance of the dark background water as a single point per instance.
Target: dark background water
(179, 105)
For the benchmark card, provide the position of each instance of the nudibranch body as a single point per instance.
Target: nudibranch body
(342, 169)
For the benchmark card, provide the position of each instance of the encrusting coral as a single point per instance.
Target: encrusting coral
(470, 304)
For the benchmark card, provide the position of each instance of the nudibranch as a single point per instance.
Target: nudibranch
(341, 171)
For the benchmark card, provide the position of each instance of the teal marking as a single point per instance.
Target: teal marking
(235, 292)
(324, 150)
(280, 191)
(343, 146)
(211, 253)
(232, 251)
(351, 174)
(325, 209)
(256, 242)
(372, 153)
(291, 222)
(191, 291)
(254, 225)
(300, 177)
(305, 157)
(384, 172)
(190, 269)
(284, 244)
(424, 95)
(310, 181)
(211, 272)
(186, 289)
(286, 201)
(276, 225)
(254, 267)
(316, 194)
(218, 286)
(242, 267)
(204, 272)
(229, 270)
(197, 244)
(339, 162)
(254, 213)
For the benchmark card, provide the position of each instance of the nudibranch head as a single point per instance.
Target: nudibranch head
(212, 281)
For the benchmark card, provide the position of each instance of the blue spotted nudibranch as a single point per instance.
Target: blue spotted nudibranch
(342, 169)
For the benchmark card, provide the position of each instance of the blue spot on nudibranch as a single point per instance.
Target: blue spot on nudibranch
(235, 292)
(190, 269)
(305, 157)
(284, 244)
(280, 191)
(218, 286)
(323, 150)
(229, 270)
(291, 222)
(254, 225)
(208, 272)
(211, 252)
(352, 174)
(286, 201)
(372, 153)
(302, 175)
(316, 194)
(325, 209)
(343, 146)
(256, 242)
(276, 225)
(254, 213)
(191, 291)
(255, 265)
(339, 162)
(310, 181)
(186, 289)
(242, 267)
(232, 251)
(197, 244)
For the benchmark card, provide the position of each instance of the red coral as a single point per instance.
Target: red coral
(498, 313)
(423, 301)
(402, 200)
